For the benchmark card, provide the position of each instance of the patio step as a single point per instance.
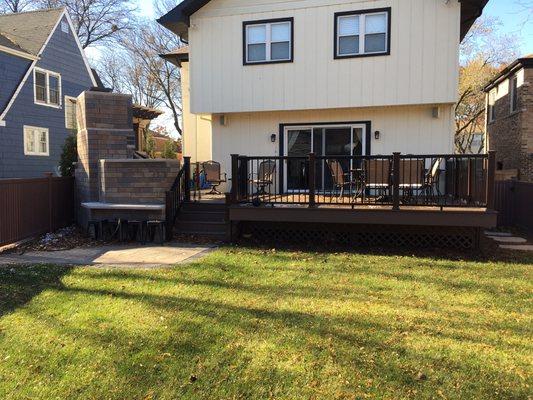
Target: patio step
(203, 219)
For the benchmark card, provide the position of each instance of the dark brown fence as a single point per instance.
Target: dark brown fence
(30, 207)
(514, 203)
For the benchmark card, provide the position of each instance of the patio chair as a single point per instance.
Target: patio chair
(213, 175)
(339, 177)
(264, 176)
(411, 173)
(431, 187)
(377, 176)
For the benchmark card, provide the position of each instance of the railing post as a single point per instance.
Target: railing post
(470, 177)
(187, 167)
(50, 201)
(396, 181)
(234, 178)
(491, 179)
(312, 179)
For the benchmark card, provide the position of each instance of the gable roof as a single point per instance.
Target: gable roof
(178, 19)
(524, 62)
(29, 30)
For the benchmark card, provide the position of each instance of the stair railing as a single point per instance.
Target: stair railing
(179, 193)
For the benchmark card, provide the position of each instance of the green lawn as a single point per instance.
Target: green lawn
(254, 324)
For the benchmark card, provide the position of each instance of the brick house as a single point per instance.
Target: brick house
(510, 119)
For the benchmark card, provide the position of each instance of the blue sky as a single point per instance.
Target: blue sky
(514, 20)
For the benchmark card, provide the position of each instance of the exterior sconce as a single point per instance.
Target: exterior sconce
(273, 138)
(377, 134)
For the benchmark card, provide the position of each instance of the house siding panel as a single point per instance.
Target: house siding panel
(422, 67)
(12, 70)
(61, 55)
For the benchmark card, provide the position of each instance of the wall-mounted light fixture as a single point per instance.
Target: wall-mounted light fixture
(377, 135)
(273, 138)
(435, 112)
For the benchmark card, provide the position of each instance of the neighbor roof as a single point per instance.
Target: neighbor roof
(28, 31)
(177, 56)
(524, 62)
(178, 19)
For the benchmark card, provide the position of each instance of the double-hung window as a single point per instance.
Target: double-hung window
(36, 141)
(47, 87)
(269, 41)
(514, 93)
(362, 33)
(491, 115)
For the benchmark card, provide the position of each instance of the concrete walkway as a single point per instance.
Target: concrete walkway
(509, 242)
(114, 256)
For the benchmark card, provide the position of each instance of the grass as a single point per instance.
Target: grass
(259, 324)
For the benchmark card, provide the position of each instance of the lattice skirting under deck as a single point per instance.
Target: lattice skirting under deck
(361, 235)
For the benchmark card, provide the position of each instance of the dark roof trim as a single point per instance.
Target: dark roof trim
(526, 62)
(178, 19)
(177, 56)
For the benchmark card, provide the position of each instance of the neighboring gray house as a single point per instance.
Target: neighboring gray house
(43, 70)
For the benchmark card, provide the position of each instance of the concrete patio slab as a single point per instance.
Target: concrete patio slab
(498, 234)
(510, 240)
(524, 247)
(114, 256)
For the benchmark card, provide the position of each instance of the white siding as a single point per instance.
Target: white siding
(408, 129)
(422, 67)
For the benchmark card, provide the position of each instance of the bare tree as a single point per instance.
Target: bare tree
(137, 68)
(483, 52)
(97, 21)
(14, 6)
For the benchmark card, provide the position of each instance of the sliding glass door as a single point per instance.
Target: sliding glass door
(326, 141)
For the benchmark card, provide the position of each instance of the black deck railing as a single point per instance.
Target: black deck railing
(179, 194)
(436, 180)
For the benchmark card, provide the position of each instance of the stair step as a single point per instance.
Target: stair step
(200, 226)
(202, 216)
(204, 207)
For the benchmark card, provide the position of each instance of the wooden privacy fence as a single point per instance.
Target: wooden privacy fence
(30, 207)
(514, 203)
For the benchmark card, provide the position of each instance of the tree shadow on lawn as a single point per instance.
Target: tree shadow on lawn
(19, 284)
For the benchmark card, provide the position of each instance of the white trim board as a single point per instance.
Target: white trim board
(18, 53)
(30, 70)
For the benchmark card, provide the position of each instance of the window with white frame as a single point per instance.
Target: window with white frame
(36, 141)
(268, 41)
(491, 115)
(47, 87)
(70, 113)
(362, 33)
(514, 93)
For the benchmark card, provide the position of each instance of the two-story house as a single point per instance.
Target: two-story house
(509, 130)
(353, 77)
(43, 69)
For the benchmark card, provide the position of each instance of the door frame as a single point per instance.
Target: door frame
(367, 138)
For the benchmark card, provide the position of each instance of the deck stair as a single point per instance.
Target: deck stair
(202, 219)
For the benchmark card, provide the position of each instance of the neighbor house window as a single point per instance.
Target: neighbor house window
(490, 106)
(514, 93)
(36, 141)
(70, 113)
(47, 88)
(268, 41)
(362, 33)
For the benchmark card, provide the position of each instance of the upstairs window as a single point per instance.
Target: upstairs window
(491, 115)
(362, 33)
(47, 88)
(268, 41)
(514, 93)
(36, 141)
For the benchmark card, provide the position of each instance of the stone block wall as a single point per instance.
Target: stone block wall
(511, 134)
(105, 131)
(136, 181)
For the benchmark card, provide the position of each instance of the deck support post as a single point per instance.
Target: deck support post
(396, 181)
(234, 178)
(187, 167)
(312, 180)
(491, 179)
